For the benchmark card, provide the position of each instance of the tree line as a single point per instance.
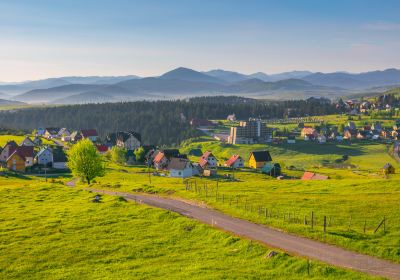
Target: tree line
(159, 122)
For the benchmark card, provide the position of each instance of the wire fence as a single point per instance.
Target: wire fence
(269, 214)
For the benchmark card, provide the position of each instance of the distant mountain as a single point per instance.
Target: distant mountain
(227, 76)
(356, 81)
(261, 76)
(10, 102)
(186, 74)
(50, 94)
(22, 87)
(289, 75)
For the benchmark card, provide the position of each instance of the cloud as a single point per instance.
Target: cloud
(382, 26)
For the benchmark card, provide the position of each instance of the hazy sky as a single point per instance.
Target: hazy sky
(50, 38)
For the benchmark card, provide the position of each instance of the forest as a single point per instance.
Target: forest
(159, 122)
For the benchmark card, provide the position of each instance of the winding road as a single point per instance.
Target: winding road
(295, 245)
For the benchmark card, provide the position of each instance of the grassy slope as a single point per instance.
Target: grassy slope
(52, 231)
(18, 139)
(360, 193)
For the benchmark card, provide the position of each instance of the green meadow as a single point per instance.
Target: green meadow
(355, 200)
(50, 231)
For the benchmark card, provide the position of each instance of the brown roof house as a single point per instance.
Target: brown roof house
(180, 168)
(313, 176)
(21, 158)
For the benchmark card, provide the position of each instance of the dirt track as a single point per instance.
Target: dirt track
(273, 238)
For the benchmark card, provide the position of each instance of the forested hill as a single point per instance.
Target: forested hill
(159, 122)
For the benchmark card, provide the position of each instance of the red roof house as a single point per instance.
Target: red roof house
(235, 161)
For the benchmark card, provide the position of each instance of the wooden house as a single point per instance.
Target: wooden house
(21, 158)
(258, 159)
(350, 134)
(235, 161)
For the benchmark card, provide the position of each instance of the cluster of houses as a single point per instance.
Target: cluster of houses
(30, 153)
(374, 131)
(66, 135)
(178, 165)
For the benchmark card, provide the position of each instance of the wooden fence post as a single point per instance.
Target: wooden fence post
(312, 219)
(365, 225)
(324, 224)
(380, 224)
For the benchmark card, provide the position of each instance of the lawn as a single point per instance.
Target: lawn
(19, 138)
(50, 231)
(353, 199)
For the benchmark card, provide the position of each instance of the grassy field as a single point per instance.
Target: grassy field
(357, 196)
(18, 139)
(50, 231)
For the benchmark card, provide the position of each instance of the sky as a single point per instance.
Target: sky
(53, 38)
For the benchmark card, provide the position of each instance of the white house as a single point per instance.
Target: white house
(235, 161)
(208, 160)
(321, 138)
(180, 168)
(59, 159)
(63, 132)
(44, 156)
(129, 140)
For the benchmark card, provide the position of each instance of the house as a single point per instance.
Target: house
(59, 159)
(291, 140)
(37, 140)
(313, 176)
(16, 162)
(130, 140)
(377, 126)
(208, 160)
(51, 132)
(21, 158)
(63, 132)
(235, 161)
(321, 139)
(231, 118)
(352, 125)
(307, 131)
(75, 136)
(388, 169)
(258, 159)
(350, 134)
(102, 149)
(180, 168)
(384, 134)
(8, 149)
(162, 157)
(363, 134)
(44, 157)
(272, 169)
(27, 142)
(90, 134)
(40, 131)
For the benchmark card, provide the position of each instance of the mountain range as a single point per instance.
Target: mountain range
(184, 82)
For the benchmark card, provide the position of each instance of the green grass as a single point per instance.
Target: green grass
(351, 198)
(18, 139)
(49, 231)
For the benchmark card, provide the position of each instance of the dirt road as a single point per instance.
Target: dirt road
(273, 238)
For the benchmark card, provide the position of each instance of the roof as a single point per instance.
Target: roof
(43, 150)
(313, 176)
(207, 154)
(102, 148)
(308, 130)
(53, 130)
(122, 135)
(89, 133)
(23, 152)
(232, 160)
(59, 155)
(11, 144)
(261, 156)
(28, 139)
(159, 157)
(178, 163)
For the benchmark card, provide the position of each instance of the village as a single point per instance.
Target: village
(46, 149)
